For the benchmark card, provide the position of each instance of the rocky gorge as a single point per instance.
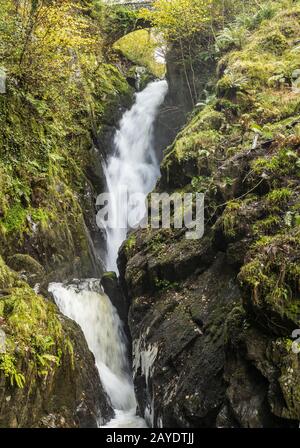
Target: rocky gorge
(208, 322)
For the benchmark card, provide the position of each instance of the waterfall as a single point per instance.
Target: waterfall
(133, 165)
(86, 303)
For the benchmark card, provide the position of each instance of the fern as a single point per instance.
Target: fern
(8, 366)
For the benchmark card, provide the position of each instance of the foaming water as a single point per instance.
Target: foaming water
(134, 166)
(85, 303)
(125, 419)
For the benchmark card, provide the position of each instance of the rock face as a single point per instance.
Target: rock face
(178, 348)
(112, 288)
(212, 319)
(180, 98)
(199, 360)
(71, 397)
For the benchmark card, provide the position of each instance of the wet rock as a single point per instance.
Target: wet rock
(199, 360)
(111, 287)
(182, 385)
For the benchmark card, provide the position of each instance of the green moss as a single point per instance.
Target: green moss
(110, 275)
(263, 241)
(207, 119)
(289, 377)
(273, 281)
(130, 245)
(202, 184)
(267, 226)
(279, 196)
(34, 335)
(7, 277)
(267, 59)
(165, 285)
(119, 21)
(285, 162)
(156, 244)
(232, 83)
(40, 215)
(254, 275)
(275, 43)
(227, 107)
(200, 144)
(230, 218)
(15, 218)
(235, 323)
(25, 263)
(105, 92)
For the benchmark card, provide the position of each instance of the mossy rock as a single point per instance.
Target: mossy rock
(275, 43)
(270, 281)
(7, 277)
(287, 362)
(27, 266)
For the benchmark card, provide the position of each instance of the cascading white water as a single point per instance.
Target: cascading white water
(85, 303)
(134, 166)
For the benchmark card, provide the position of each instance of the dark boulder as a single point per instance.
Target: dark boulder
(113, 290)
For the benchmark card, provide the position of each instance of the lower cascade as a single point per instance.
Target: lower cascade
(133, 165)
(85, 303)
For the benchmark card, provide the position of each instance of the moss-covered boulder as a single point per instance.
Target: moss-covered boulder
(32, 271)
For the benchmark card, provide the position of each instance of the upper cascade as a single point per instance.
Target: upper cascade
(133, 169)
